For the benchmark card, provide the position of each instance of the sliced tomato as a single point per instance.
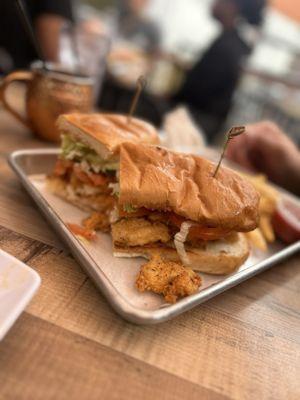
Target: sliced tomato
(203, 233)
(81, 175)
(286, 222)
(90, 178)
(98, 179)
(81, 231)
(198, 231)
(175, 219)
(62, 167)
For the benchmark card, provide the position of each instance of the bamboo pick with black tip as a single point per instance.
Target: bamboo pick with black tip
(234, 132)
(141, 84)
(29, 30)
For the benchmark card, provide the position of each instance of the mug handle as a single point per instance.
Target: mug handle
(17, 76)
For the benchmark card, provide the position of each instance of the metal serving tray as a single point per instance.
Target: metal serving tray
(115, 277)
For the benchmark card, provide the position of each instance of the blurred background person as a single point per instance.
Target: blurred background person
(135, 27)
(132, 54)
(47, 16)
(267, 149)
(210, 84)
(178, 46)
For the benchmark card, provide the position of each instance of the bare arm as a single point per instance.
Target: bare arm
(48, 28)
(266, 149)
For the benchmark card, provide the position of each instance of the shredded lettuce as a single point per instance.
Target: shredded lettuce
(115, 188)
(110, 166)
(129, 208)
(72, 149)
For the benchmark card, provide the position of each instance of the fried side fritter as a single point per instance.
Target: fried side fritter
(171, 279)
(97, 221)
(138, 232)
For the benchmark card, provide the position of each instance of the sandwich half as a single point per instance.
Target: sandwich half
(169, 204)
(85, 171)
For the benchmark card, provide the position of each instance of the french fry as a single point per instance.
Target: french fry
(267, 206)
(263, 235)
(257, 239)
(269, 198)
(261, 185)
(266, 228)
(268, 193)
(258, 178)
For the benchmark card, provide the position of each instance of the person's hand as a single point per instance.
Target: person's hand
(264, 148)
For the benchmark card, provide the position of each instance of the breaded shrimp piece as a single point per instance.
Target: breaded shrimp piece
(171, 279)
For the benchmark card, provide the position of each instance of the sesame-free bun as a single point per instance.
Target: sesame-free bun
(218, 257)
(158, 179)
(105, 132)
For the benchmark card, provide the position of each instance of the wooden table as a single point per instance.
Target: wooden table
(69, 343)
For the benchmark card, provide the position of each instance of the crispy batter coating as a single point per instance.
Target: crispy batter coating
(97, 221)
(85, 233)
(138, 232)
(171, 279)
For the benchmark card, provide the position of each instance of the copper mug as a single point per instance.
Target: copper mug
(50, 92)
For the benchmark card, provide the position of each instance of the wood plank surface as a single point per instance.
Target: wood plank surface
(61, 364)
(243, 344)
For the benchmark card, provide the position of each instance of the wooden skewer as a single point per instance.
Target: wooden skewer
(141, 84)
(235, 131)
